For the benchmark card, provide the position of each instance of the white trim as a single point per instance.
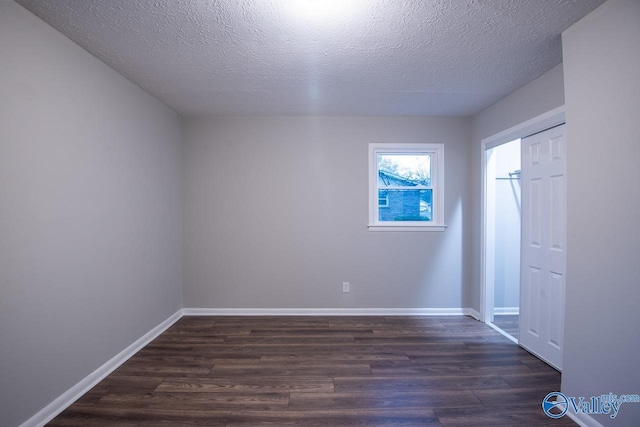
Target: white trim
(63, 401)
(473, 313)
(503, 332)
(488, 238)
(67, 398)
(537, 124)
(553, 365)
(329, 312)
(407, 227)
(506, 310)
(583, 420)
(436, 150)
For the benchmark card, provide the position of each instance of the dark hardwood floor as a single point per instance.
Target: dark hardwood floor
(508, 323)
(323, 371)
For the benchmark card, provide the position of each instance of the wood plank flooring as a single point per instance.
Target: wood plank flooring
(508, 323)
(323, 371)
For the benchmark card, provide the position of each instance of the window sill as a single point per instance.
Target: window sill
(407, 227)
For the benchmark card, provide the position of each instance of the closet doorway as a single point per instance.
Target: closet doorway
(524, 234)
(503, 201)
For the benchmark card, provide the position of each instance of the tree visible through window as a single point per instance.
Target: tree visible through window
(405, 180)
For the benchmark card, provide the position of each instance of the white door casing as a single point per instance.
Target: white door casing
(543, 251)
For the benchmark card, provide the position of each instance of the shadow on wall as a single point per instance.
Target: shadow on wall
(439, 268)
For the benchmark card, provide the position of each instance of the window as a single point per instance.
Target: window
(406, 183)
(383, 199)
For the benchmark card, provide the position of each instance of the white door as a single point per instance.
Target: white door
(543, 263)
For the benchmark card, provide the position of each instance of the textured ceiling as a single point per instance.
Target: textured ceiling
(300, 57)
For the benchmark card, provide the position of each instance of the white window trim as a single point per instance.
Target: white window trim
(437, 183)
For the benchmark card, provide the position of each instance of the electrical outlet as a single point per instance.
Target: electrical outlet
(346, 287)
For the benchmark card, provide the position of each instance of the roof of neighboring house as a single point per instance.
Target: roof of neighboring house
(386, 179)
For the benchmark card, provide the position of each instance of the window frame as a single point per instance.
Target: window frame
(437, 185)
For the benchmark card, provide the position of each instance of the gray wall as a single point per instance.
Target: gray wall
(537, 97)
(602, 344)
(89, 214)
(275, 216)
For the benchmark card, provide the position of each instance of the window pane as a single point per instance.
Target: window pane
(406, 205)
(383, 199)
(404, 170)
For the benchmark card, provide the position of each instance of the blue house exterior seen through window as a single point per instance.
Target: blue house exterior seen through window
(405, 203)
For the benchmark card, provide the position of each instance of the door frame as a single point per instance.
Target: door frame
(537, 124)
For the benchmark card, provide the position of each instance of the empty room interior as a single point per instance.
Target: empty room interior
(305, 212)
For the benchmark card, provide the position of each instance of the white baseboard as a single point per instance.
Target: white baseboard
(583, 420)
(503, 333)
(506, 310)
(63, 401)
(330, 312)
(473, 313)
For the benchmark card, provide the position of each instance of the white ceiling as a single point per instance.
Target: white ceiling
(366, 57)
